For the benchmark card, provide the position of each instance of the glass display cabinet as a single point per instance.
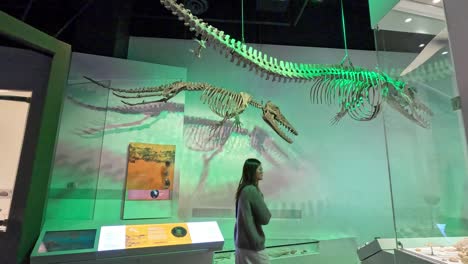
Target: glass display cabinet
(427, 166)
(403, 194)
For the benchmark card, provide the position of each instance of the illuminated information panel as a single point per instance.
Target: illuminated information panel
(157, 235)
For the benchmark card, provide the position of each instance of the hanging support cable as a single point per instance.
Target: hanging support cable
(242, 20)
(343, 23)
(82, 9)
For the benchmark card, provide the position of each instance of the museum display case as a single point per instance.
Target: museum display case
(149, 139)
(139, 145)
(427, 165)
(76, 168)
(133, 243)
(100, 141)
(99, 133)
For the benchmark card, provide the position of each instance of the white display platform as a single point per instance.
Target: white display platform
(434, 250)
(173, 243)
(431, 250)
(436, 255)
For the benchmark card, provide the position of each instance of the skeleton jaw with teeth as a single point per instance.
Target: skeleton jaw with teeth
(274, 118)
(406, 103)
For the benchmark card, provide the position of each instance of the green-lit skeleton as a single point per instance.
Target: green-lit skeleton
(359, 92)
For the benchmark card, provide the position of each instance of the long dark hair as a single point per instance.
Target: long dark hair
(249, 175)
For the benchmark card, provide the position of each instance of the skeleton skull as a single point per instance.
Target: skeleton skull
(405, 102)
(273, 117)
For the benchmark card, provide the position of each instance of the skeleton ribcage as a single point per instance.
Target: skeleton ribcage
(361, 99)
(365, 104)
(224, 103)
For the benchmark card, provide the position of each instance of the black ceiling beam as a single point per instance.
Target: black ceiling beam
(103, 29)
(301, 12)
(26, 10)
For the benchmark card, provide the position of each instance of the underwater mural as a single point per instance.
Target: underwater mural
(223, 102)
(199, 135)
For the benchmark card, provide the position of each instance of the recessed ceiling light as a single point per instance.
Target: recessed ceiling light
(436, 1)
(409, 19)
(445, 53)
(422, 45)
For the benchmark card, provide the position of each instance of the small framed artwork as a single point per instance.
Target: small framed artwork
(150, 171)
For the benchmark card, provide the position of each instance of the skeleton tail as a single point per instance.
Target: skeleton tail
(150, 89)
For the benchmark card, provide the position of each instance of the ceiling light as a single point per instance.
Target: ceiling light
(422, 45)
(409, 19)
(445, 53)
(436, 1)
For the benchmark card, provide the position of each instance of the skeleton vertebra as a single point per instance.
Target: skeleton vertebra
(224, 103)
(359, 92)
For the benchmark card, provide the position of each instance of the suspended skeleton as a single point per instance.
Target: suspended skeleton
(224, 103)
(359, 92)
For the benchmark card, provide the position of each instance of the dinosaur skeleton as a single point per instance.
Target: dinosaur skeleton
(224, 103)
(360, 92)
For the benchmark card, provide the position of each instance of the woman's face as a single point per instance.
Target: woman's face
(259, 173)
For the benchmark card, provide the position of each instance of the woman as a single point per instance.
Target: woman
(251, 214)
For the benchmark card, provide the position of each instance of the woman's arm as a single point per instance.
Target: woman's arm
(259, 208)
(246, 219)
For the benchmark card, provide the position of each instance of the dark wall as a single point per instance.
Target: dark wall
(25, 70)
(102, 29)
(22, 69)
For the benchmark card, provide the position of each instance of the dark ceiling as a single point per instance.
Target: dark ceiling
(96, 26)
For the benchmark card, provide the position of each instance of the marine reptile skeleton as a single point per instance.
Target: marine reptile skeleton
(358, 91)
(224, 103)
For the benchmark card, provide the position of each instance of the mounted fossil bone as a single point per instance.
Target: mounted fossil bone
(359, 92)
(224, 103)
(408, 105)
(201, 45)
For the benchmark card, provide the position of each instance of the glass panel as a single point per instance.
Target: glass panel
(141, 149)
(76, 167)
(317, 187)
(427, 163)
(14, 109)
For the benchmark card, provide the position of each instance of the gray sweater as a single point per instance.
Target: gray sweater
(252, 213)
